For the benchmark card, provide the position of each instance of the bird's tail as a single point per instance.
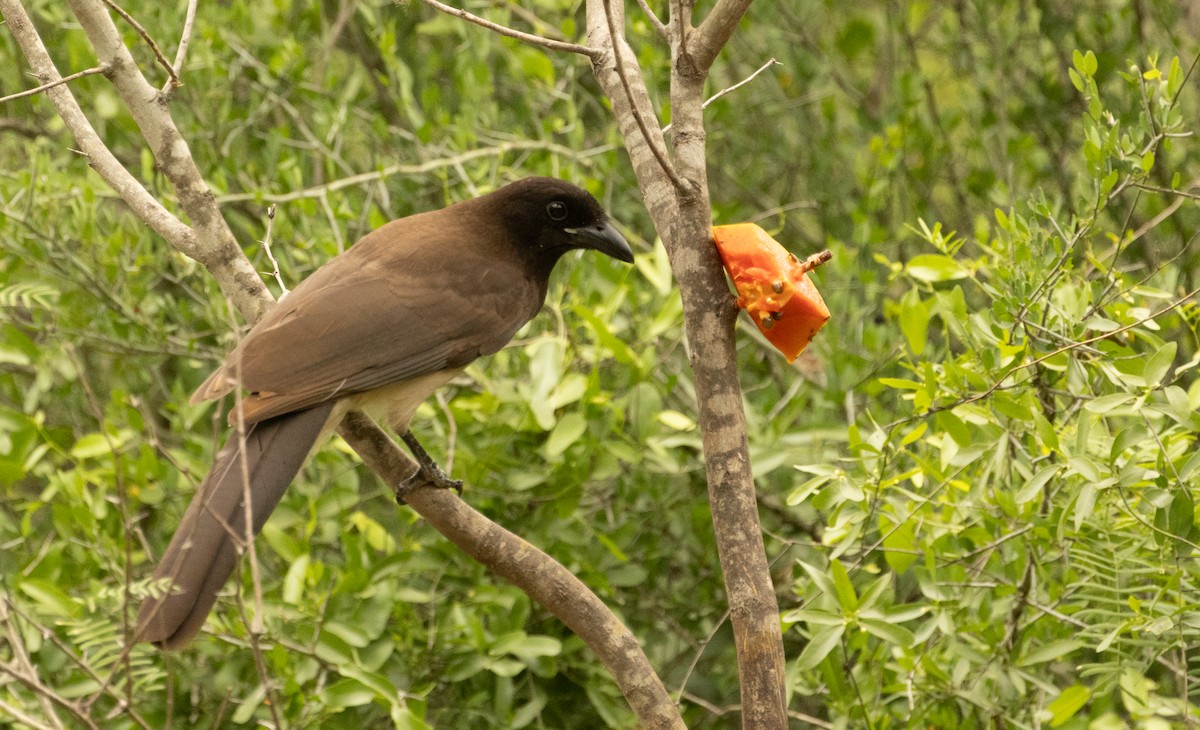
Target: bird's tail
(213, 533)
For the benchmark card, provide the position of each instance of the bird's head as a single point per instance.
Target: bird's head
(549, 217)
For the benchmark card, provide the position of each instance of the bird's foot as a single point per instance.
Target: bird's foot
(427, 473)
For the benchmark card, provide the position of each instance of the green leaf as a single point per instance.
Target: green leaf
(1084, 467)
(96, 444)
(49, 597)
(1033, 487)
(900, 384)
(847, 598)
(346, 693)
(933, 268)
(677, 421)
(246, 708)
(1106, 403)
(889, 632)
(1049, 652)
(294, 580)
(824, 581)
(566, 432)
(1069, 701)
(1085, 63)
(527, 647)
(1181, 516)
(814, 617)
(1159, 363)
(914, 321)
(819, 647)
(899, 544)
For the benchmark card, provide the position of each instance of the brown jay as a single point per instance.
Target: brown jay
(377, 329)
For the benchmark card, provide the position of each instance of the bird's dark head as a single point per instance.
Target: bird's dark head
(548, 217)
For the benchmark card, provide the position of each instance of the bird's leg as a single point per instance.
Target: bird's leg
(429, 471)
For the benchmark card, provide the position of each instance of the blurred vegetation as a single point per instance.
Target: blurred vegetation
(978, 486)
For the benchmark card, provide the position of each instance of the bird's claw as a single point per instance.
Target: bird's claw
(427, 473)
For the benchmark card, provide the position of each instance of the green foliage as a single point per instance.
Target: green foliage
(1026, 534)
(978, 487)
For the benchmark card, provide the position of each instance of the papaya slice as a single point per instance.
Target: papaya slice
(773, 286)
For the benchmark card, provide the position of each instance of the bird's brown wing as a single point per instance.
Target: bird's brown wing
(387, 310)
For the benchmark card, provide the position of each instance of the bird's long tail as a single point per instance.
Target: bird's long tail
(213, 534)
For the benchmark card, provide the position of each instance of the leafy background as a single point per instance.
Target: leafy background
(978, 487)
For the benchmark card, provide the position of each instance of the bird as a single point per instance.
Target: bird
(377, 328)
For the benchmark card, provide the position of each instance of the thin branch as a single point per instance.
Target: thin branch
(659, 26)
(530, 38)
(817, 259)
(546, 29)
(283, 289)
(185, 40)
(731, 89)
(618, 41)
(710, 37)
(158, 54)
(400, 169)
(14, 712)
(22, 669)
(65, 79)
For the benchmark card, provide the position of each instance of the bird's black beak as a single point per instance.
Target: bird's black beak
(603, 237)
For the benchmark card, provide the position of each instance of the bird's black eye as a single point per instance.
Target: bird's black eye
(557, 210)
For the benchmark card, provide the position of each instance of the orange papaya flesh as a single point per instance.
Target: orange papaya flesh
(773, 286)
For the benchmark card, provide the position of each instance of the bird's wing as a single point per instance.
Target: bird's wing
(385, 311)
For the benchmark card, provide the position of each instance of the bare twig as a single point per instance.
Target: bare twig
(731, 89)
(283, 289)
(401, 169)
(815, 260)
(158, 54)
(65, 79)
(185, 40)
(530, 38)
(659, 26)
(683, 218)
(21, 669)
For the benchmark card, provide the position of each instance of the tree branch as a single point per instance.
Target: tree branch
(212, 242)
(657, 190)
(419, 168)
(144, 205)
(730, 89)
(185, 40)
(683, 220)
(707, 40)
(530, 38)
(659, 26)
(65, 79)
(158, 54)
(656, 143)
(525, 566)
